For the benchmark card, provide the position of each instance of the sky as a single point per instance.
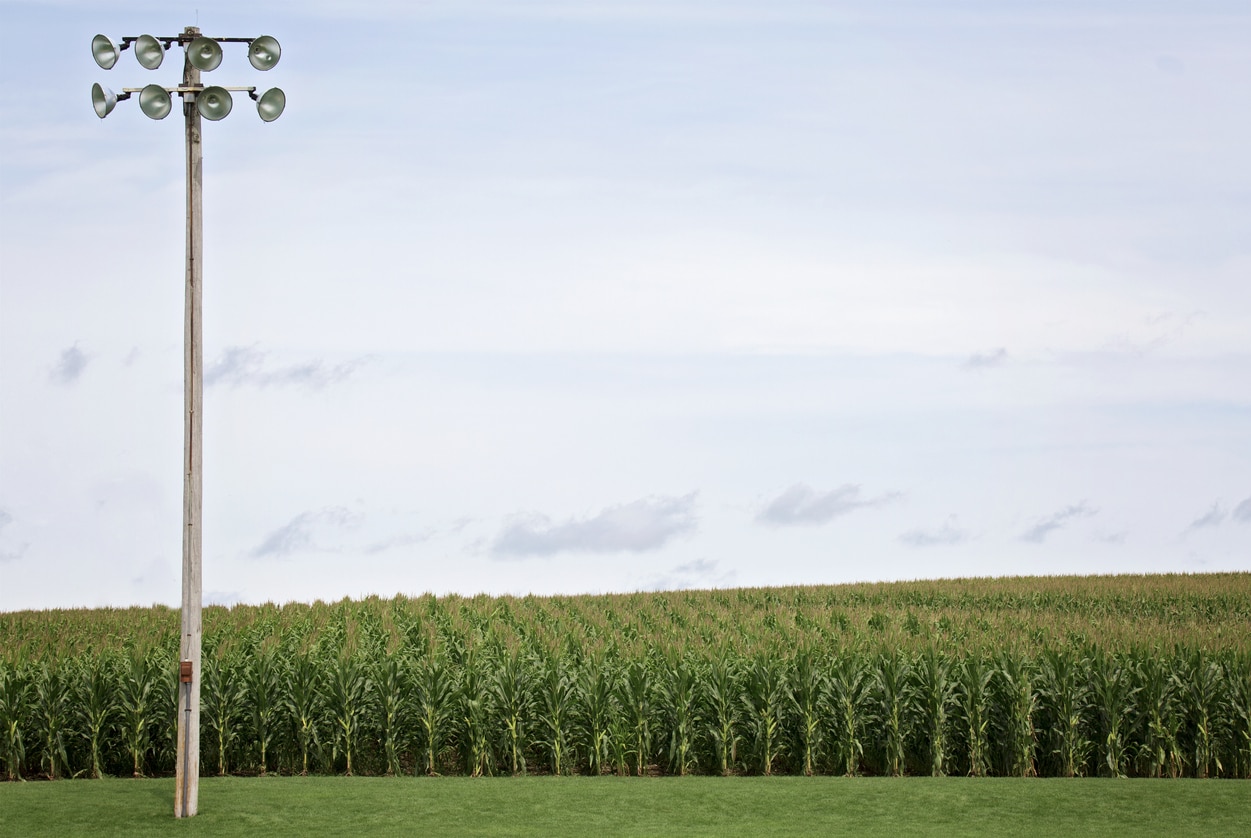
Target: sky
(597, 296)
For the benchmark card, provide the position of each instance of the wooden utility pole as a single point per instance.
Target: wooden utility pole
(199, 54)
(187, 769)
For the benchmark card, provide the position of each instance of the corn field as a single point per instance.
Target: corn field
(1098, 676)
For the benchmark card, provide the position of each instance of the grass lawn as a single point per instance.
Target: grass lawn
(598, 806)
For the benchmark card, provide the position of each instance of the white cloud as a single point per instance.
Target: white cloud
(949, 533)
(985, 360)
(8, 552)
(801, 505)
(306, 531)
(639, 526)
(1212, 518)
(1038, 533)
(69, 367)
(701, 573)
(397, 541)
(245, 365)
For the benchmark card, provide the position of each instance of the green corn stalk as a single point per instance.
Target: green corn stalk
(1064, 693)
(96, 706)
(764, 700)
(137, 699)
(1199, 685)
(14, 700)
(973, 703)
(51, 705)
(262, 679)
(475, 718)
(390, 682)
(720, 700)
(1159, 716)
(300, 701)
(512, 704)
(894, 695)
(640, 711)
(221, 701)
(809, 694)
(619, 744)
(597, 698)
(165, 729)
(434, 707)
(1113, 692)
(677, 691)
(1238, 676)
(556, 708)
(1018, 705)
(849, 694)
(347, 694)
(935, 690)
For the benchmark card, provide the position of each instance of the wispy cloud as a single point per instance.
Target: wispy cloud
(801, 505)
(1217, 515)
(404, 540)
(9, 553)
(1154, 332)
(69, 367)
(985, 360)
(239, 366)
(701, 573)
(949, 533)
(1213, 517)
(303, 532)
(645, 524)
(1038, 533)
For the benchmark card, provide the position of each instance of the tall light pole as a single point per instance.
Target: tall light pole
(212, 103)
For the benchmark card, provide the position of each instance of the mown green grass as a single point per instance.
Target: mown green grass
(608, 806)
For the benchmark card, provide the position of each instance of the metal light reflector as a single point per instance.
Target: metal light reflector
(149, 52)
(104, 52)
(155, 102)
(271, 104)
(204, 53)
(214, 103)
(264, 52)
(103, 100)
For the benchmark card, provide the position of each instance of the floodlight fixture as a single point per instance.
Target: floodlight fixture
(214, 103)
(104, 52)
(149, 52)
(204, 54)
(264, 52)
(155, 101)
(105, 100)
(270, 104)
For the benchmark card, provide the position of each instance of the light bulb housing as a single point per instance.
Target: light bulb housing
(264, 52)
(149, 52)
(214, 103)
(271, 104)
(104, 52)
(155, 101)
(103, 100)
(205, 54)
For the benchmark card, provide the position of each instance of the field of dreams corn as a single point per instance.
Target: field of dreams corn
(1146, 676)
